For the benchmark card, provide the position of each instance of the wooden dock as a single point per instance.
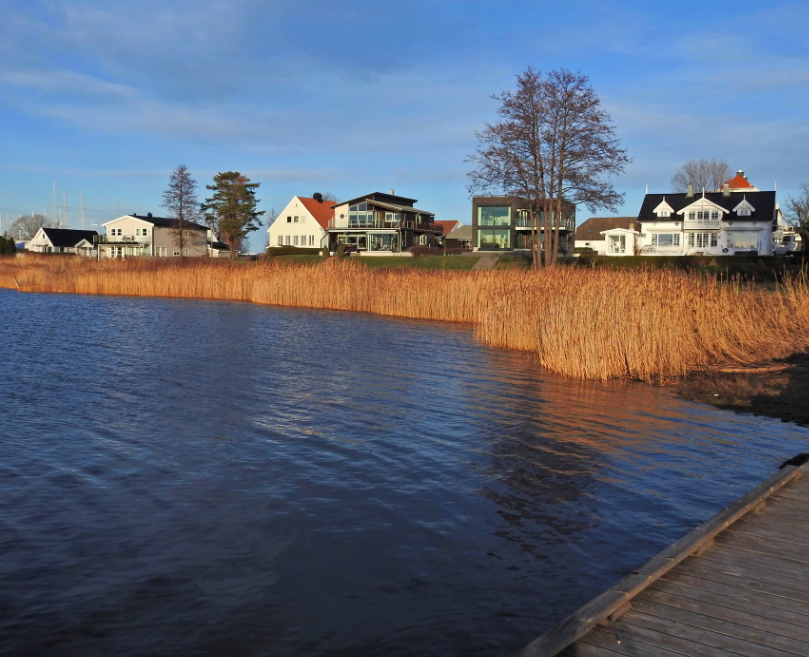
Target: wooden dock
(736, 585)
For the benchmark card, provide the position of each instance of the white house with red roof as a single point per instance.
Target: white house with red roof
(302, 223)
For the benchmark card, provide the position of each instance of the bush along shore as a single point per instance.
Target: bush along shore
(651, 325)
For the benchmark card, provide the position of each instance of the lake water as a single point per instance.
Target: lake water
(192, 478)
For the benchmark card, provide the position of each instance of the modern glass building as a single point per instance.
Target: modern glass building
(503, 223)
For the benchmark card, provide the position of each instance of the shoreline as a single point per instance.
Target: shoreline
(779, 391)
(655, 326)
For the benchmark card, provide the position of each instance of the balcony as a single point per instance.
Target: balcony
(379, 223)
(702, 224)
(142, 240)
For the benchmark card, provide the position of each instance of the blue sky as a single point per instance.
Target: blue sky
(357, 96)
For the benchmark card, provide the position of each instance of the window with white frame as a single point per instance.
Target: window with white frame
(663, 213)
(280, 240)
(287, 240)
(666, 239)
(311, 240)
(744, 212)
(295, 240)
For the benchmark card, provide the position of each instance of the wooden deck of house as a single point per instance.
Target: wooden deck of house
(736, 585)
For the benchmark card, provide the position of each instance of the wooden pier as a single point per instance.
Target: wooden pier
(736, 585)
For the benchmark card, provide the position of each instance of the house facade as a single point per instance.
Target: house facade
(138, 236)
(304, 223)
(381, 223)
(63, 240)
(591, 234)
(503, 222)
(719, 223)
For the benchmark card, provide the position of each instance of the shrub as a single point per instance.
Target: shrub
(7, 246)
(291, 250)
(341, 250)
(325, 252)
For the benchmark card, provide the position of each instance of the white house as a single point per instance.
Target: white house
(302, 223)
(711, 223)
(63, 240)
(592, 234)
(137, 235)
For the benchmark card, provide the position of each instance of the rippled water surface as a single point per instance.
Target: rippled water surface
(189, 478)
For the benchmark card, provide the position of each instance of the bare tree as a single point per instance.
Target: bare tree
(704, 173)
(180, 199)
(798, 211)
(27, 225)
(331, 197)
(553, 144)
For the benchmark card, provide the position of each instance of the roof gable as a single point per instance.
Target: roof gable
(446, 226)
(701, 203)
(322, 212)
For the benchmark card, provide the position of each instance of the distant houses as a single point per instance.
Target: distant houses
(136, 235)
(303, 223)
(63, 240)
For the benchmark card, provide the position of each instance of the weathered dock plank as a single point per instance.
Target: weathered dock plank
(736, 585)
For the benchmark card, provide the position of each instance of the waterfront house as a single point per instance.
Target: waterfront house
(63, 240)
(735, 220)
(592, 234)
(302, 223)
(379, 223)
(137, 235)
(503, 222)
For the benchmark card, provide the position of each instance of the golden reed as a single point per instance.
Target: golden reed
(584, 323)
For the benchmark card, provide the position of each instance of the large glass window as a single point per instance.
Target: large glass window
(493, 238)
(666, 239)
(743, 240)
(494, 215)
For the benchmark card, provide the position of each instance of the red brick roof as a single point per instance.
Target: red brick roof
(322, 212)
(739, 182)
(446, 226)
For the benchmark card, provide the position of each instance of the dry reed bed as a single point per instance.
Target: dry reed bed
(588, 324)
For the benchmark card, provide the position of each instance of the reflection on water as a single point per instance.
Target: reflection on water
(224, 479)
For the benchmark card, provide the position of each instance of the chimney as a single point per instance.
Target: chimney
(149, 214)
(741, 173)
(631, 225)
(318, 197)
(391, 192)
(690, 192)
(725, 190)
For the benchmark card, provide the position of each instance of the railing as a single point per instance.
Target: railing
(338, 224)
(697, 224)
(143, 240)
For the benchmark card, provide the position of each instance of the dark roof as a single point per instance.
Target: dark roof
(219, 246)
(163, 222)
(591, 229)
(380, 196)
(66, 237)
(763, 202)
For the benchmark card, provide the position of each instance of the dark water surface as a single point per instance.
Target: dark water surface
(189, 478)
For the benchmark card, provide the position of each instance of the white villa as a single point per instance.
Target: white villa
(737, 219)
(302, 223)
(63, 240)
(136, 235)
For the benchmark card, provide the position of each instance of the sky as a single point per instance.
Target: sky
(349, 97)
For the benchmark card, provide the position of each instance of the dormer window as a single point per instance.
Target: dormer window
(744, 209)
(744, 212)
(663, 210)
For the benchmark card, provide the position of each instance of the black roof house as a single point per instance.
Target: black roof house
(762, 202)
(66, 237)
(163, 222)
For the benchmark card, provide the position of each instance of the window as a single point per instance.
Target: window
(311, 240)
(494, 238)
(494, 216)
(714, 239)
(743, 239)
(664, 213)
(286, 240)
(185, 252)
(664, 240)
(743, 212)
(692, 216)
(715, 215)
(280, 240)
(295, 219)
(176, 253)
(295, 239)
(289, 220)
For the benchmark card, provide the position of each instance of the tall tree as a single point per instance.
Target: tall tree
(27, 225)
(704, 173)
(553, 144)
(232, 208)
(798, 212)
(180, 199)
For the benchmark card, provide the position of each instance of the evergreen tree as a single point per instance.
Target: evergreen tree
(180, 199)
(231, 210)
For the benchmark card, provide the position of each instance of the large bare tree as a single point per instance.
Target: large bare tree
(797, 210)
(27, 225)
(180, 199)
(704, 173)
(553, 144)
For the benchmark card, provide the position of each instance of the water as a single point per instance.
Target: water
(189, 478)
